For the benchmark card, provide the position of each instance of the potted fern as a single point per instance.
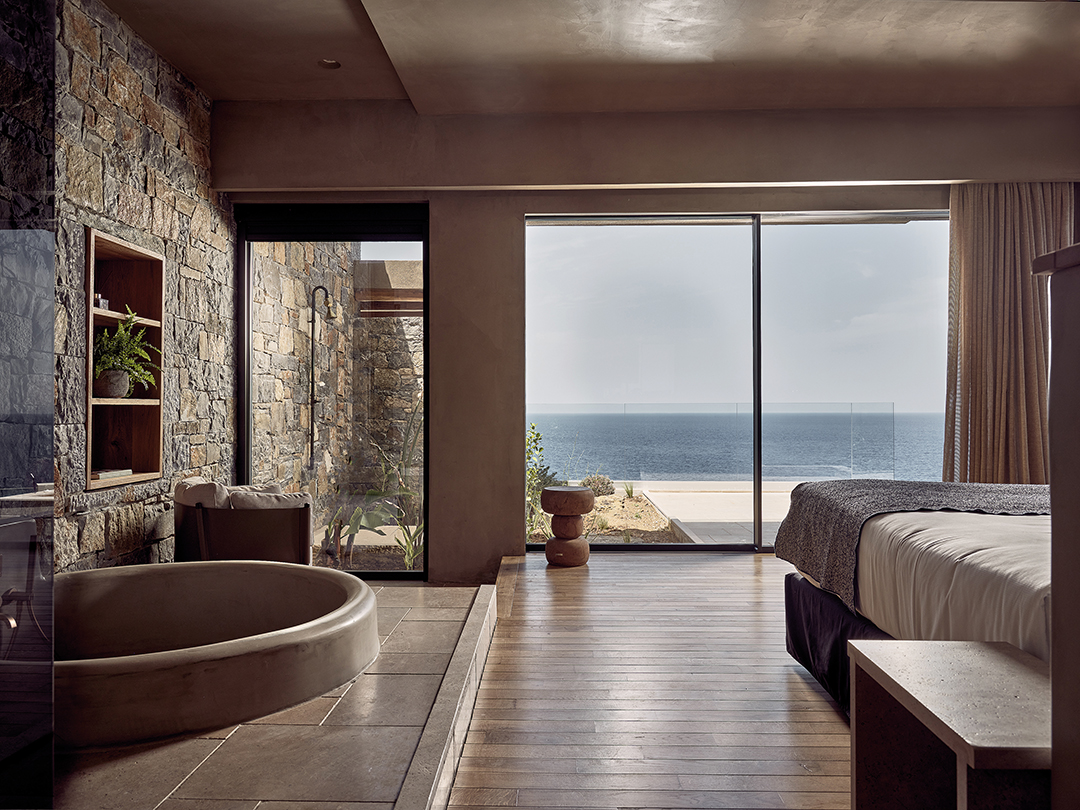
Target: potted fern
(122, 359)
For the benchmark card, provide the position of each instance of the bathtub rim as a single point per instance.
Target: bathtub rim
(314, 657)
(353, 588)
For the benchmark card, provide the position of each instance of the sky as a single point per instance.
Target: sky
(636, 314)
(391, 251)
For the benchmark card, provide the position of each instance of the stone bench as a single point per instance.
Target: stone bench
(938, 724)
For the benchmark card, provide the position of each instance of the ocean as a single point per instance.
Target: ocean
(719, 446)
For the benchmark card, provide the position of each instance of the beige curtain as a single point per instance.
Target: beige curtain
(995, 412)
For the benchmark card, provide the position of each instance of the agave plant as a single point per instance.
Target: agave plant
(411, 542)
(373, 513)
(403, 485)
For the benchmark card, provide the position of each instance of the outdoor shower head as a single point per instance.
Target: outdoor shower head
(332, 311)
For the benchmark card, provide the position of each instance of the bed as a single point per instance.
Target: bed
(913, 560)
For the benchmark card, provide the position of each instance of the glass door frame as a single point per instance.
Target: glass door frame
(315, 222)
(754, 221)
(755, 261)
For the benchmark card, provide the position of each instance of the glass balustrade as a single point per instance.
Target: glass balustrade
(694, 463)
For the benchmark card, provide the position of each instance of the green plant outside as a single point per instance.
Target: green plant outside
(373, 513)
(600, 484)
(402, 486)
(126, 350)
(411, 543)
(537, 476)
(405, 485)
(398, 501)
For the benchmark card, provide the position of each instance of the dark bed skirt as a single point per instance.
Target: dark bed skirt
(818, 628)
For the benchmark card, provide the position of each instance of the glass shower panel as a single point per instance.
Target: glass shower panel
(27, 361)
(337, 390)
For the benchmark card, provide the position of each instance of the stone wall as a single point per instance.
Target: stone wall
(133, 160)
(388, 387)
(389, 352)
(27, 113)
(286, 273)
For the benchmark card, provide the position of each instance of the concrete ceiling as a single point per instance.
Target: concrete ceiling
(555, 56)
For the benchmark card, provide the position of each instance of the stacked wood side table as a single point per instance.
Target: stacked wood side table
(942, 724)
(567, 505)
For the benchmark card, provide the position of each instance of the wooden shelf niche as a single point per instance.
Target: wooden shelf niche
(123, 436)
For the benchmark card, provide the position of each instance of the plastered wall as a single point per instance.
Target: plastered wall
(321, 146)
(484, 175)
(476, 398)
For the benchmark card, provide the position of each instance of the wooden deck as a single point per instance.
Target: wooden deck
(650, 680)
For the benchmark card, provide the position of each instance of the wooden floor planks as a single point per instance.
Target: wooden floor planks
(650, 680)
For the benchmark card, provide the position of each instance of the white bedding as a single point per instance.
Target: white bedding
(957, 576)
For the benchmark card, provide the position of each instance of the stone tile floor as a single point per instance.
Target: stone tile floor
(347, 750)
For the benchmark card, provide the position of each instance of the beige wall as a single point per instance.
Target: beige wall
(480, 176)
(385, 145)
(476, 399)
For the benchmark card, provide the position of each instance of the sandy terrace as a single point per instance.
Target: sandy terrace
(616, 516)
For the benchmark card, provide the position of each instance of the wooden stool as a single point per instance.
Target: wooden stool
(566, 505)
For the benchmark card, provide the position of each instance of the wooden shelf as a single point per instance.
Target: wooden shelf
(124, 433)
(107, 315)
(125, 401)
(391, 303)
(121, 480)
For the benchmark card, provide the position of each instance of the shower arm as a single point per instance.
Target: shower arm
(313, 400)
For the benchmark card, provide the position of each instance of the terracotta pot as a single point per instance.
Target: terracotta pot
(112, 384)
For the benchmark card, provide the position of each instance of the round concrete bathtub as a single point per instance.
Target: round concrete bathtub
(149, 651)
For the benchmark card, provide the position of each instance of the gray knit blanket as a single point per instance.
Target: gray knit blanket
(820, 534)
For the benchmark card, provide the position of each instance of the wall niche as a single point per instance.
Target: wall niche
(124, 434)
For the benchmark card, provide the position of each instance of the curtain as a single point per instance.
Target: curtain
(999, 331)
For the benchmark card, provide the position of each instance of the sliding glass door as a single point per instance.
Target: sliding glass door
(639, 370)
(708, 364)
(853, 350)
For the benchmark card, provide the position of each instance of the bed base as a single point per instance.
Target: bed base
(818, 627)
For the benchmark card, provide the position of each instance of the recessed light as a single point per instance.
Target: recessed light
(329, 64)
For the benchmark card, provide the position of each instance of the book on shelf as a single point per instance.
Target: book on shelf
(101, 475)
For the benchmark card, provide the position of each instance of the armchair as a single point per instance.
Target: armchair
(214, 522)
